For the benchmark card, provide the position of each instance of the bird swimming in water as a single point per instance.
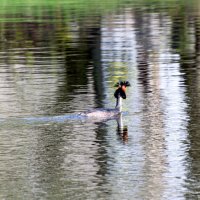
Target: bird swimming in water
(119, 94)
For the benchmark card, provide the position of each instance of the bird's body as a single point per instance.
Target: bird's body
(101, 113)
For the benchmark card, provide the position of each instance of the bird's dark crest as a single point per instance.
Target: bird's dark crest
(121, 83)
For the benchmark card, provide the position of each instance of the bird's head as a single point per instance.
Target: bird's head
(121, 89)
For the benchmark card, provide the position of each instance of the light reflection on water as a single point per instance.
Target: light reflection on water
(151, 153)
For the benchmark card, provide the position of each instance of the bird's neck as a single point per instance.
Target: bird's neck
(119, 104)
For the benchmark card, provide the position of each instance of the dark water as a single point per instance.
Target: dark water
(59, 60)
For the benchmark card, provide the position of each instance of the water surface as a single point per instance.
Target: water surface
(60, 60)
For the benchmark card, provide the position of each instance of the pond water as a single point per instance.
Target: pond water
(57, 60)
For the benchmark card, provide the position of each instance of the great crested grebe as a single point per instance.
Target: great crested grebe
(119, 94)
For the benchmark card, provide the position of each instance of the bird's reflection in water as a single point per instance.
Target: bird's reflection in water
(122, 131)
